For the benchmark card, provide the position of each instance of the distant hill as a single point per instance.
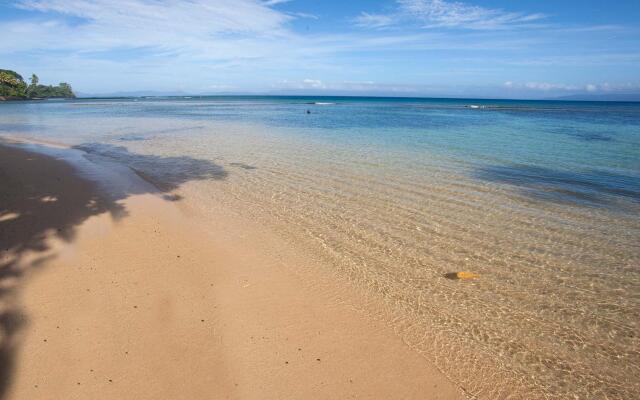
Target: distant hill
(13, 87)
(601, 97)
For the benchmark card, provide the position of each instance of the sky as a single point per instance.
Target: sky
(470, 48)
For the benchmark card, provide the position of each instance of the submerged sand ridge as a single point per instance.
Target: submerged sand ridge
(133, 297)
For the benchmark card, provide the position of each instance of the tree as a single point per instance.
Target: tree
(31, 90)
(11, 84)
(64, 89)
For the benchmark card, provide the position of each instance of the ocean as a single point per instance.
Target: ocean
(539, 199)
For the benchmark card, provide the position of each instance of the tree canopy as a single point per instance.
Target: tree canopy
(13, 85)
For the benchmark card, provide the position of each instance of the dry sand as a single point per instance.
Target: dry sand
(132, 297)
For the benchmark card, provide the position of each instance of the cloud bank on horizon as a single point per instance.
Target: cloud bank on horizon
(402, 47)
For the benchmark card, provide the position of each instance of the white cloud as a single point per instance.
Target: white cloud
(374, 20)
(541, 86)
(441, 13)
(202, 15)
(216, 32)
(145, 43)
(249, 44)
(618, 88)
(274, 2)
(163, 24)
(546, 86)
(303, 15)
(349, 86)
(563, 87)
(313, 83)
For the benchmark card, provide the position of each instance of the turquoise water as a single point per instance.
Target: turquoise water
(540, 198)
(580, 151)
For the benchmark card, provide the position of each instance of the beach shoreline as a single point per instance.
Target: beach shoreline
(383, 214)
(117, 290)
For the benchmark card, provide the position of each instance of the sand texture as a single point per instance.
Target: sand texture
(125, 294)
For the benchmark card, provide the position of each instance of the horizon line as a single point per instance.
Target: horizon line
(422, 97)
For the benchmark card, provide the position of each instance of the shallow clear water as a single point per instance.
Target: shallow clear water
(541, 199)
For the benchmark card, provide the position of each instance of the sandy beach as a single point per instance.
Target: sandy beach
(278, 199)
(117, 290)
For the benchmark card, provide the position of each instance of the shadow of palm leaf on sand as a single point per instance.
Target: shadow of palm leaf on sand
(165, 172)
(592, 188)
(43, 197)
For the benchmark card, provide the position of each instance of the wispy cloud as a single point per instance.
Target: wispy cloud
(449, 14)
(161, 23)
(261, 44)
(560, 87)
(369, 20)
(544, 86)
(199, 31)
(171, 41)
(580, 60)
(274, 2)
(239, 15)
(352, 87)
(217, 32)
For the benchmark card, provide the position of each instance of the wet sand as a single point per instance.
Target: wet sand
(128, 295)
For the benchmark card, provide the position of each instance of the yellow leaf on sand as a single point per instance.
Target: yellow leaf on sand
(466, 275)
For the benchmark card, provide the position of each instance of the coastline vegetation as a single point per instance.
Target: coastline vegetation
(13, 87)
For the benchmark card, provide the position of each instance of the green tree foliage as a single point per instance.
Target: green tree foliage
(12, 85)
(47, 91)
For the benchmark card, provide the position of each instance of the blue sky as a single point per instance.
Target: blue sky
(522, 49)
